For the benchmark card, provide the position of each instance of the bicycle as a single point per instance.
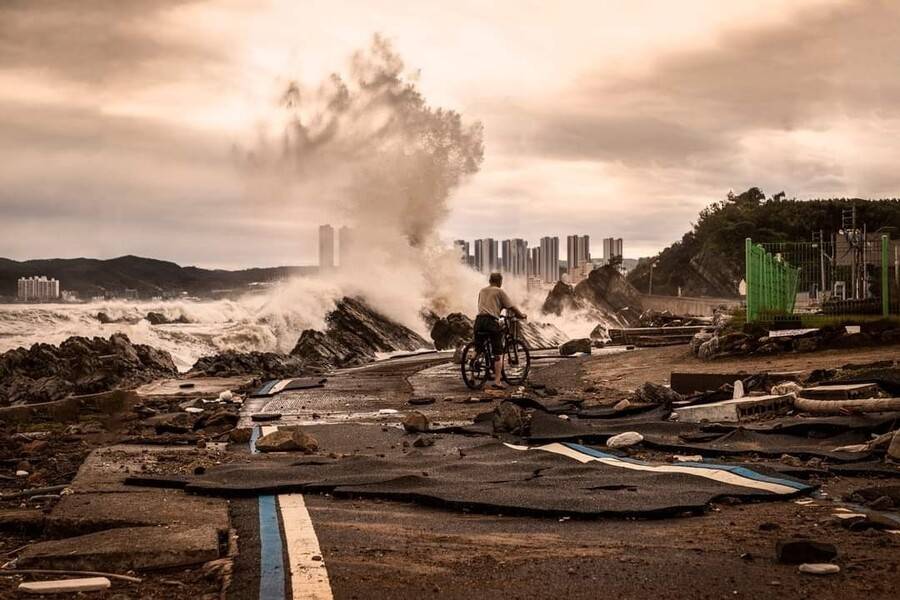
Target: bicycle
(477, 363)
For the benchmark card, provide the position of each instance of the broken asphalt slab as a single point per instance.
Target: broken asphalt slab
(125, 549)
(563, 479)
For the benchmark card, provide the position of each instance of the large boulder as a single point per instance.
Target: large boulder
(560, 299)
(452, 331)
(354, 335)
(607, 289)
(575, 346)
(268, 365)
(288, 440)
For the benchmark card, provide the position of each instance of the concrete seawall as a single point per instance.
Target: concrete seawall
(684, 305)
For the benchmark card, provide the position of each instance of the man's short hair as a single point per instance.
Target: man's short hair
(495, 279)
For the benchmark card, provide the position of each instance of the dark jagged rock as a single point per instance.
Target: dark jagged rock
(607, 289)
(653, 393)
(353, 336)
(156, 318)
(79, 365)
(268, 365)
(560, 299)
(575, 346)
(452, 331)
(605, 293)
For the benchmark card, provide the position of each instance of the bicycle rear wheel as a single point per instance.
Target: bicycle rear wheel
(516, 363)
(474, 366)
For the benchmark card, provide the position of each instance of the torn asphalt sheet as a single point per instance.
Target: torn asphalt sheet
(498, 478)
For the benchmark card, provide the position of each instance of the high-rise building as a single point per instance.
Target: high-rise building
(612, 247)
(462, 248)
(486, 255)
(326, 248)
(534, 263)
(578, 252)
(515, 257)
(37, 288)
(345, 245)
(550, 259)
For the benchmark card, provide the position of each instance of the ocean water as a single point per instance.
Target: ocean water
(243, 325)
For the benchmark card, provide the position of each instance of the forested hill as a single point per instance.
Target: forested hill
(709, 259)
(150, 277)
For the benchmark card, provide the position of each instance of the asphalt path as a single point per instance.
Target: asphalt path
(370, 548)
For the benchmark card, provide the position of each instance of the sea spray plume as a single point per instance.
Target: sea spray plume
(365, 149)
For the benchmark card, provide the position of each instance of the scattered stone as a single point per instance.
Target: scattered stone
(423, 442)
(624, 440)
(288, 440)
(258, 417)
(797, 551)
(226, 396)
(510, 418)
(241, 435)
(657, 394)
(421, 401)
(194, 410)
(415, 422)
(819, 568)
(622, 405)
(769, 526)
(581, 345)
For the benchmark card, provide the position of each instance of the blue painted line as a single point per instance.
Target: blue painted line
(271, 552)
(271, 563)
(741, 471)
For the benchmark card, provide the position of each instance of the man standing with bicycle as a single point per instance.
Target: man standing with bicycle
(491, 301)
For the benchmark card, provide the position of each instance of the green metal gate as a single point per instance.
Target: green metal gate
(834, 278)
(771, 283)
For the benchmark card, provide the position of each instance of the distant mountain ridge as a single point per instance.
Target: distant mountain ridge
(150, 277)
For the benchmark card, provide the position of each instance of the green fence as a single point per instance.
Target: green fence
(833, 277)
(771, 283)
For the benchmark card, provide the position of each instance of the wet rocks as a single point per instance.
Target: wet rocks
(354, 335)
(581, 345)
(157, 318)
(267, 365)
(415, 422)
(79, 365)
(560, 299)
(288, 440)
(796, 551)
(452, 331)
(657, 394)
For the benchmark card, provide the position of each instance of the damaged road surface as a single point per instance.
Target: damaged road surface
(554, 480)
(399, 482)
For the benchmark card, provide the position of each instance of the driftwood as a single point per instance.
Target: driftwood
(840, 407)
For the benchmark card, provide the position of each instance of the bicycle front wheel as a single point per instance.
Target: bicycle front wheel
(516, 363)
(474, 366)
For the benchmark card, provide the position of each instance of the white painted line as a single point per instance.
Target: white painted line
(309, 577)
(267, 429)
(707, 473)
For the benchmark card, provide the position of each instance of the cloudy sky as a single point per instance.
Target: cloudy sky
(120, 121)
